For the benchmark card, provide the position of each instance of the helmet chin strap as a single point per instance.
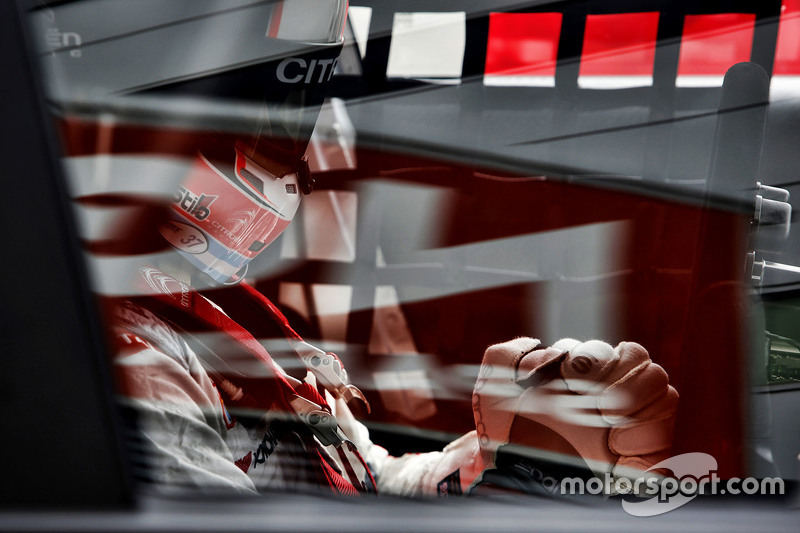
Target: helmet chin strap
(178, 268)
(238, 278)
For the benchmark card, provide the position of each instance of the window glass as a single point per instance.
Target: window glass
(313, 274)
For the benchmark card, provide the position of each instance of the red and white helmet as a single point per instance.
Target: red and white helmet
(240, 196)
(225, 214)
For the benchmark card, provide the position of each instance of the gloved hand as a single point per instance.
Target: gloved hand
(613, 407)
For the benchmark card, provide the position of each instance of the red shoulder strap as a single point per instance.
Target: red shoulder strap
(290, 397)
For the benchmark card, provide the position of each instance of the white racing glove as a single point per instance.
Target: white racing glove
(574, 404)
(579, 403)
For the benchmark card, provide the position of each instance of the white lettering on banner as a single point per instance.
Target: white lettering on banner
(296, 70)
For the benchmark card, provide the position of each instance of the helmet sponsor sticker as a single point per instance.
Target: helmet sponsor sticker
(199, 206)
(184, 237)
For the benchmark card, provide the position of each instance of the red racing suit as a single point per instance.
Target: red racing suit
(215, 411)
(210, 416)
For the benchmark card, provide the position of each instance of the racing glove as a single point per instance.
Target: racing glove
(579, 404)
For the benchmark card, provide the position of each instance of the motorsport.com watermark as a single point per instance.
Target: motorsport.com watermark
(694, 474)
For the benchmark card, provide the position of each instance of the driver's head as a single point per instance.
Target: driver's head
(243, 191)
(228, 210)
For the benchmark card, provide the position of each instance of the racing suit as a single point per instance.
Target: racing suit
(191, 439)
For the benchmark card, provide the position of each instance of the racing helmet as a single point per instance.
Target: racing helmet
(240, 196)
(224, 215)
(251, 72)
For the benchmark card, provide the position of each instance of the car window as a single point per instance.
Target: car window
(304, 234)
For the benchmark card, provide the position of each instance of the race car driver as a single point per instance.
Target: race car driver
(219, 412)
(214, 411)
